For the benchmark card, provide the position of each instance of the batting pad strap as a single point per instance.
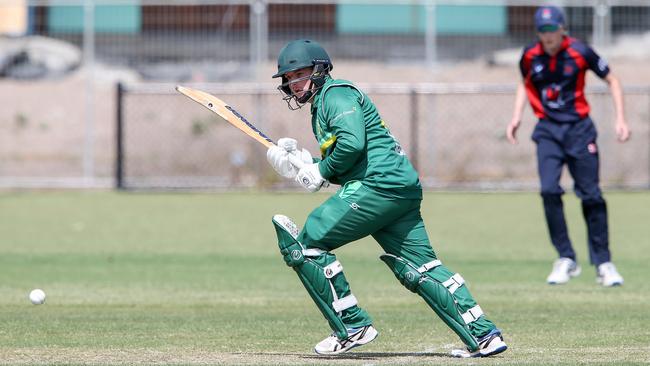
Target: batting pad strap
(427, 266)
(332, 269)
(472, 314)
(344, 303)
(454, 282)
(313, 252)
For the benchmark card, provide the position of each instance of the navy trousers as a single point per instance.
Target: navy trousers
(573, 144)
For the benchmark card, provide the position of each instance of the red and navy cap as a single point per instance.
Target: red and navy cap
(548, 18)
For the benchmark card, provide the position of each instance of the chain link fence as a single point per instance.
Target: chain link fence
(61, 59)
(454, 134)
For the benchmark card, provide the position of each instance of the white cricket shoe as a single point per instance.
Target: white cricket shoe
(489, 345)
(563, 270)
(356, 337)
(608, 276)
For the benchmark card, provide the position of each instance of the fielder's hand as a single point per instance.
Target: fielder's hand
(622, 130)
(310, 178)
(511, 130)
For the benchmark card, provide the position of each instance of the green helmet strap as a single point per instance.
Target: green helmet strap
(321, 70)
(318, 78)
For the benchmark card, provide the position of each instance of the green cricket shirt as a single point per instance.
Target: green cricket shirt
(356, 144)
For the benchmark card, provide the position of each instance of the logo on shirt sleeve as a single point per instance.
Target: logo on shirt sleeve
(343, 114)
(602, 64)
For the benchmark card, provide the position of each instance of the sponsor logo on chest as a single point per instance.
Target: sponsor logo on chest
(568, 69)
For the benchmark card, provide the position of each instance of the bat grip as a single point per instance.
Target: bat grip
(296, 161)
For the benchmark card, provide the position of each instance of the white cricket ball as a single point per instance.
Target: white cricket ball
(37, 296)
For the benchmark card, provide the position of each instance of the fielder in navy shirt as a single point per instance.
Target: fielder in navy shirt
(553, 71)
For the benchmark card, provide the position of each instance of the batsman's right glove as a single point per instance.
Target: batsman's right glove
(310, 178)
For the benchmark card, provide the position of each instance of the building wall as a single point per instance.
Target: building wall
(108, 18)
(410, 19)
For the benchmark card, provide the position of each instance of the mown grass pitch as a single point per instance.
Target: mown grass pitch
(197, 279)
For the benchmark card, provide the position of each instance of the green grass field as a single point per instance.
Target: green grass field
(197, 279)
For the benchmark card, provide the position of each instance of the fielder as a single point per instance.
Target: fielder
(553, 71)
(380, 195)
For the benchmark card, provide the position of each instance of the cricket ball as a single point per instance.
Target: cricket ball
(37, 296)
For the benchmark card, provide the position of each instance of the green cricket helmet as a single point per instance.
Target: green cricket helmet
(300, 54)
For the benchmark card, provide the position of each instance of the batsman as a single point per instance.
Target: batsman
(379, 195)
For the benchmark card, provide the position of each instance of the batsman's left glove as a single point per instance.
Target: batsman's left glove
(279, 159)
(291, 145)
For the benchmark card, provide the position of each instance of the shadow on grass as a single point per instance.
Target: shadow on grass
(376, 355)
(358, 355)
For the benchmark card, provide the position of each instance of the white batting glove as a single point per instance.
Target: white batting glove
(310, 178)
(304, 156)
(279, 160)
(288, 144)
(291, 145)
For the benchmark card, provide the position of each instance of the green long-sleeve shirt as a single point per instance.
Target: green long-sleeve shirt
(356, 144)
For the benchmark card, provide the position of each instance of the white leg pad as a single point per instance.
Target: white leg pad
(472, 314)
(454, 282)
(313, 252)
(427, 266)
(344, 303)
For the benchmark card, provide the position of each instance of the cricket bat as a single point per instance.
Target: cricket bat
(233, 117)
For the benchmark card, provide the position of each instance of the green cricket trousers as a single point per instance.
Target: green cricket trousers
(356, 211)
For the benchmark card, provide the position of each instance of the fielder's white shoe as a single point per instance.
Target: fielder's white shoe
(356, 337)
(489, 345)
(563, 270)
(608, 276)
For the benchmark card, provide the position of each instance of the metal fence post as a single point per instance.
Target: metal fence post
(119, 138)
(602, 28)
(258, 33)
(430, 129)
(260, 120)
(430, 45)
(89, 68)
(414, 128)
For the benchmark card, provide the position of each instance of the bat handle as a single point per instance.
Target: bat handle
(296, 161)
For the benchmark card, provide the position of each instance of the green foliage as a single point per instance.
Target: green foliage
(198, 279)
(201, 126)
(21, 121)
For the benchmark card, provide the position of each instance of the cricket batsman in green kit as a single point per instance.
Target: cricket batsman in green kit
(380, 195)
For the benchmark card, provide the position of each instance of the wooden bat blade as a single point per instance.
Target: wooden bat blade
(226, 112)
